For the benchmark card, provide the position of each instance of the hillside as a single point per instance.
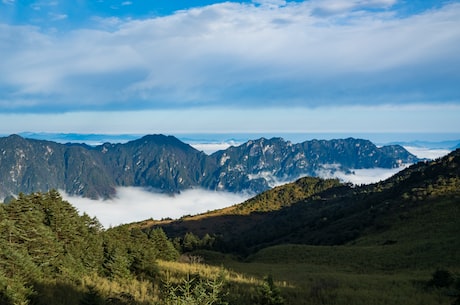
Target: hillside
(325, 212)
(164, 163)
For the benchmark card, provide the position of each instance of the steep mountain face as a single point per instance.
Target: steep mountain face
(33, 165)
(164, 163)
(258, 164)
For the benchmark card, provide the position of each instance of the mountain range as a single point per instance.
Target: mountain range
(166, 164)
(416, 208)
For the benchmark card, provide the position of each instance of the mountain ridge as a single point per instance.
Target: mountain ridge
(167, 164)
(314, 211)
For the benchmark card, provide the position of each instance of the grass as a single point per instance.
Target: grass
(310, 283)
(313, 275)
(388, 267)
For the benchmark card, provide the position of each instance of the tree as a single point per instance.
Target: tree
(116, 263)
(92, 297)
(268, 293)
(165, 248)
(190, 242)
(441, 278)
(195, 291)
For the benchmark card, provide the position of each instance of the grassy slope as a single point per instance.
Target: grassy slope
(389, 267)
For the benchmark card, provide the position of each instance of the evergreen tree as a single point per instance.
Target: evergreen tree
(92, 297)
(268, 293)
(164, 247)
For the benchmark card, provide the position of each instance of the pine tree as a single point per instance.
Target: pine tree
(164, 247)
(92, 297)
(268, 293)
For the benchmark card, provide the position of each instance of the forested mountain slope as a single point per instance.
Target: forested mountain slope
(324, 212)
(164, 163)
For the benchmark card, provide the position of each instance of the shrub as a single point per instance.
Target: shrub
(441, 279)
(194, 291)
(268, 293)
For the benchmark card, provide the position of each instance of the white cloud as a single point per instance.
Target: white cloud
(270, 3)
(236, 54)
(358, 176)
(136, 204)
(57, 17)
(210, 148)
(329, 7)
(422, 152)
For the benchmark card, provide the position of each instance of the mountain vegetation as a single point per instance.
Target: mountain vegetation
(314, 211)
(313, 241)
(163, 163)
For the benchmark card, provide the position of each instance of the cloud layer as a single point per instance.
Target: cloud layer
(136, 204)
(307, 54)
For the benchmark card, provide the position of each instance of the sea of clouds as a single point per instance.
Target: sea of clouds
(136, 204)
(133, 204)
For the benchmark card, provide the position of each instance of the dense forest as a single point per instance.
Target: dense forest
(313, 241)
(47, 250)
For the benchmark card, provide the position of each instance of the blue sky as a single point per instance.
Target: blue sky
(255, 66)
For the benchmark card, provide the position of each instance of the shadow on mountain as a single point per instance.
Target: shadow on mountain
(69, 294)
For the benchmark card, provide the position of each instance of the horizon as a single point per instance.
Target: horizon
(378, 138)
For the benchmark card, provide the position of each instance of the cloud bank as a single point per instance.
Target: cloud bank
(307, 54)
(136, 204)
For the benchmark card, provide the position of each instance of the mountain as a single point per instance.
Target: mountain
(260, 163)
(419, 205)
(165, 163)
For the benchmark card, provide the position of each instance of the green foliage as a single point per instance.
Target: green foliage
(268, 293)
(286, 195)
(92, 297)
(441, 278)
(193, 290)
(45, 243)
(165, 248)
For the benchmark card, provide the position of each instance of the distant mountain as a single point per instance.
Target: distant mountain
(90, 139)
(418, 207)
(166, 164)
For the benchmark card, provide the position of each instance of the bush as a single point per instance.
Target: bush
(268, 293)
(441, 279)
(194, 291)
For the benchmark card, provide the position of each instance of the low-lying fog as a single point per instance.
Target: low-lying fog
(136, 204)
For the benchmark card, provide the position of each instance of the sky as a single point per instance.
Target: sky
(213, 66)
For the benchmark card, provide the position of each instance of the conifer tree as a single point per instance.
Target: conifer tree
(164, 247)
